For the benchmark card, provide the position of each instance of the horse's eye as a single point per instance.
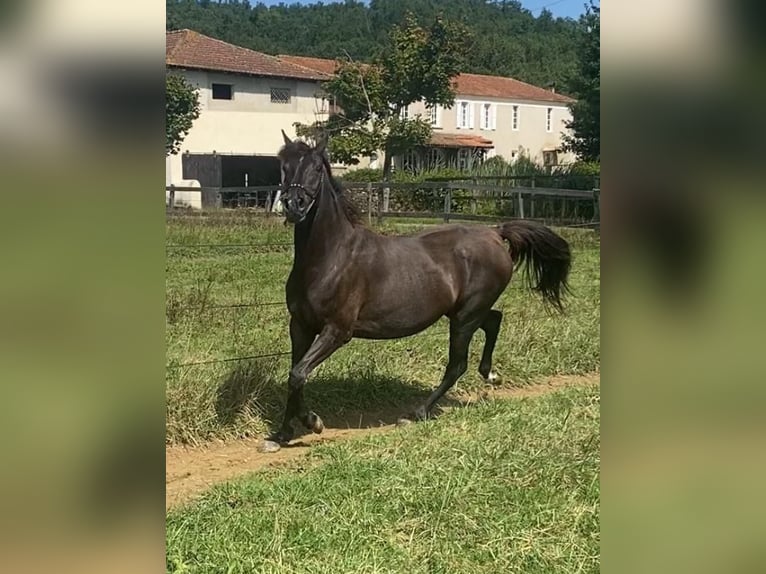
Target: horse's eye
(318, 167)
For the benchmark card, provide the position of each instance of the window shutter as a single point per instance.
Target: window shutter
(458, 107)
(493, 116)
(470, 115)
(438, 116)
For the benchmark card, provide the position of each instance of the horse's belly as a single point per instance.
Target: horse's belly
(391, 330)
(395, 323)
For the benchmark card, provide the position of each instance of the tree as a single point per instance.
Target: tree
(509, 39)
(418, 64)
(181, 109)
(585, 139)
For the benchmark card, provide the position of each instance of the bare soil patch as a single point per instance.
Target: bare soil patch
(189, 471)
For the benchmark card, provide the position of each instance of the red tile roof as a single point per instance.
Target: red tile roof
(465, 84)
(190, 49)
(439, 139)
(500, 87)
(319, 64)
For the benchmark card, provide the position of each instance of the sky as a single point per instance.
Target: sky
(562, 8)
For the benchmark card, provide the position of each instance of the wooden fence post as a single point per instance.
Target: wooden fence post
(521, 205)
(447, 204)
(379, 206)
(268, 203)
(532, 201)
(386, 196)
(596, 204)
(369, 203)
(172, 197)
(218, 198)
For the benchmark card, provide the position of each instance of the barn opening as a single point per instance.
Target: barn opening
(233, 173)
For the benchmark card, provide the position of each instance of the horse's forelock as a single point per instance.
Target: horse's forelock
(293, 151)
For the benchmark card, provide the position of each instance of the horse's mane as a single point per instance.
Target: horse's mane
(295, 150)
(349, 208)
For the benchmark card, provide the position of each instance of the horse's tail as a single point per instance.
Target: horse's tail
(545, 255)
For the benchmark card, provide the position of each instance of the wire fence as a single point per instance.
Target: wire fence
(427, 333)
(451, 199)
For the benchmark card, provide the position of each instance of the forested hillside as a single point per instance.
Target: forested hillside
(506, 39)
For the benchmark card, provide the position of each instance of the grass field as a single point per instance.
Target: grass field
(504, 486)
(241, 398)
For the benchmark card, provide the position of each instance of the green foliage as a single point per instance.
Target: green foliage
(363, 175)
(585, 140)
(181, 109)
(507, 39)
(418, 64)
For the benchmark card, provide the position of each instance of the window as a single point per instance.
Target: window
(515, 119)
(321, 104)
(404, 113)
(463, 158)
(222, 91)
(513, 155)
(464, 115)
(549, 120)
(434, 114)
(435, 158)
(280, 95)
(411, 161)
(488, 112)
(550, 158)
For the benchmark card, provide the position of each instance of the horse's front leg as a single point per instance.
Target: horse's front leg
(301, 338)
(330, 339)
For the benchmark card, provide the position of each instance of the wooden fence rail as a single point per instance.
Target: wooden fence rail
(378, 197)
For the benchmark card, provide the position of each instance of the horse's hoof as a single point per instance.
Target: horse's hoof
(268, 446)
(492, 378)
(280, 438)
(315, 423)
(404, 421)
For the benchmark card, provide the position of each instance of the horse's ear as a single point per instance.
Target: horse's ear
(288, 141)
(321, 143)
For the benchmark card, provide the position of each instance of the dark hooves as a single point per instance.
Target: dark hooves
(268, 446)
(314, 423)
(419, 415)
(281, 438)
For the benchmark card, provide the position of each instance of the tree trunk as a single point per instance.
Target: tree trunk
(387, 165)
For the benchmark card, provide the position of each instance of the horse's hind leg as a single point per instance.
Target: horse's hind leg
(491, 328)
(459, 341)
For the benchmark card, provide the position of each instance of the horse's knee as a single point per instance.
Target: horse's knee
(296, 380)
(460, 367)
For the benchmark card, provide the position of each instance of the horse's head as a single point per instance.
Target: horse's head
(303, 175)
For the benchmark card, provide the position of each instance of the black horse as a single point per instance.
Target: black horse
(348, 281)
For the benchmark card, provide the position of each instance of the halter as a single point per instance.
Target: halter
(312, 196)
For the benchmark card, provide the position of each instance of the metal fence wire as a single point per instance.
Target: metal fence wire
(480, 199)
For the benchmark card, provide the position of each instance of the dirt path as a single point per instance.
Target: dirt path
(189, 471)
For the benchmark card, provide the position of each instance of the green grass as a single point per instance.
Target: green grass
(504, 486)
(235, 399)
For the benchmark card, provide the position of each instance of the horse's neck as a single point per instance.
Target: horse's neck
(326, 229)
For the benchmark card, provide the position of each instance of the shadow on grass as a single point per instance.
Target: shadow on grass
(358, 400)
